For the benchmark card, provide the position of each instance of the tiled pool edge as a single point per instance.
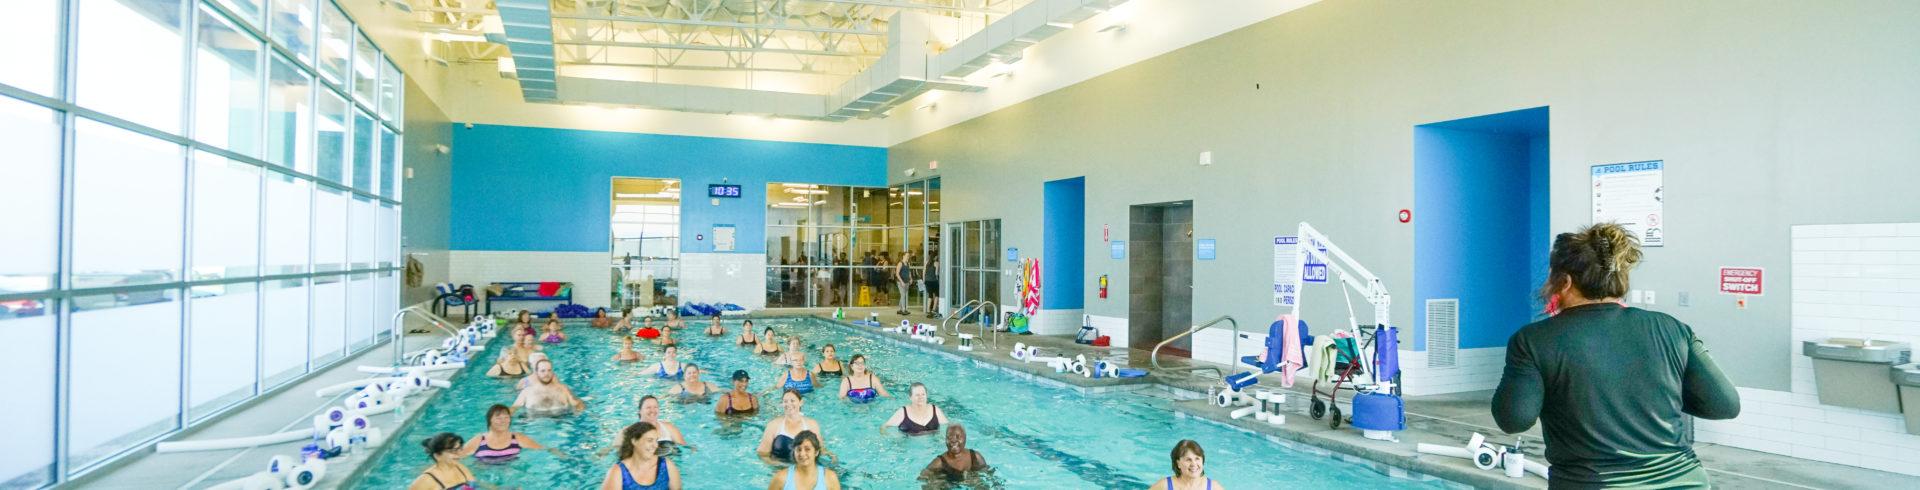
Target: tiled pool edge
(1391, 465)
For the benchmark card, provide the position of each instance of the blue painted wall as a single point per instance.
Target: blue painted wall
(542, 189)
(1481, 187)
(1063, 263)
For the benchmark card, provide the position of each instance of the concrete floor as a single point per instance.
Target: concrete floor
(1437, 419)
(287, 408)
(1440, 419)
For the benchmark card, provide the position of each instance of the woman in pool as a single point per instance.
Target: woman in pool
(600, 319)
(798, 378)
(626, 354)
(523, 320)
(673, 319)
(668, 367)
(666, 337)
(446, 473)
(640, 461)
(918, 417)
(1189, 469)
(650, 413)
(554, 335)
(746, 333)
(829, 363)
(958, 461)
(1611, 385)
(500, 444)
(793, 348)
(806, 468)
(546, 395)
(691, 389)
(715, 328)
(738, 401)
(766, 346)
(510, 364)
(861, 385)
(777, 441)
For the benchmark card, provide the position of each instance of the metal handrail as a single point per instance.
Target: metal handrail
(957, 312)
(400, 334)
(989, 318)
(1155, 357)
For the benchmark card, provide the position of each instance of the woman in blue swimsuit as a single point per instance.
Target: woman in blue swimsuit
(777, 441)
(446, 473)
(799, 378)
(861, 385)
(669, 366)
(1189, 469)
(806, 473)
(639, 461)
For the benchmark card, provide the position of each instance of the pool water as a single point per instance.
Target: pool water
(1033, 436)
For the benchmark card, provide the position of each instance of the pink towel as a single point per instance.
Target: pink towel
(1291, 358)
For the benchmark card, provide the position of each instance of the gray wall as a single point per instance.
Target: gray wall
(426, 197)
(1768, 114)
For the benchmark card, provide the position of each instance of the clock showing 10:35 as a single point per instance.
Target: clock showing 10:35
(723, 190)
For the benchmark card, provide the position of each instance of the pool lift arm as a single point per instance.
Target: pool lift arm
(1358, 278)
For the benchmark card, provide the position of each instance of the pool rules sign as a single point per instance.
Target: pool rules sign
(1742, 281)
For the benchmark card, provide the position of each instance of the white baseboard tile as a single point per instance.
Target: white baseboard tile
(590, 273)
(738, 278)
(1056, 322)
(1115, 327)
(1473, 370)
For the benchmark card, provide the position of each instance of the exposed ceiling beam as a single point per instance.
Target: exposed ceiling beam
(918, 6)
(710, 68)
(709, 47)
(717, 23)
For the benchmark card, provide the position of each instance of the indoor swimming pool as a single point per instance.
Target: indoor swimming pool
(1034, 436)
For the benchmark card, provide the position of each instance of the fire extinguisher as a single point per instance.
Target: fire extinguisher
(1103, 286)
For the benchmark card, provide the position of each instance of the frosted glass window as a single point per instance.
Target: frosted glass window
(28, 326)
(290, 116)
(364, 232)
(227, 86)
(336, 44)
(366, 70)
(329, 230)
(283, 341)
(128, 207)
(31, 136)
(363, 151)
(387, 297)
(390, 82)
(226, 217)
(389, 153)
(249, 10)
(125, 372)
(31, 33)
(330, 137)
(360, 310)
(329, 319)
(292, 26)
(130, 60)
(221, 341)
(289, 204)
(388, 249)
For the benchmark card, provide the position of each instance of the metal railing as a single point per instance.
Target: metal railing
(989, 321)
(400, 333)
(960, 312)
(1155, 357)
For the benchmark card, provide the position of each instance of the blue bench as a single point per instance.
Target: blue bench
(525, 291)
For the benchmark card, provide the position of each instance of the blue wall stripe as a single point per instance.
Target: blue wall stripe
(1480, 187)
(1064, 239)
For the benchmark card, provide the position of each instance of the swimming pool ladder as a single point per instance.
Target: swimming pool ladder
(1155, 357)
(988, 321)
(400, 334)
(957, 313)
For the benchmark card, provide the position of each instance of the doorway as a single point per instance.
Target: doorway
(1160, 275)
(645, 232)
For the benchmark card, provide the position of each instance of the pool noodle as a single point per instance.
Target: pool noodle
(405, 370)
(233, 443)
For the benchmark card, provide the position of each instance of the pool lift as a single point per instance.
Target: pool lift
(1377, 407)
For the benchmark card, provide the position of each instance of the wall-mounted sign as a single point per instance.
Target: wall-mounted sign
(723, 190)
(1631, 194)
(723, 238)
(1743, 281)
(1203, 249)
(1118, 248)
(1013, 254)
(1316, 270)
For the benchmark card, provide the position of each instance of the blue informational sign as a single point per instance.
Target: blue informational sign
(1013, 254)
(1119, 249)
(1203, 249)
(1316, 270)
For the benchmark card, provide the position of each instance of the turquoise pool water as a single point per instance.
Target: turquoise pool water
(1034, 436)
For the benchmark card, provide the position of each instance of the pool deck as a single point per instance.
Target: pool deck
(1448, 419)
(286, 408)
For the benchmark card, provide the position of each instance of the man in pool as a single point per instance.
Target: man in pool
(546, 395)
(958, 462)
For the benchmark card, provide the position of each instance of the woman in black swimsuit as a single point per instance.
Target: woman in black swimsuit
(829, 364)
(767, 346)
(929, 416)
(446, 473)
(958, 461)
(738, 401)
(746, 333)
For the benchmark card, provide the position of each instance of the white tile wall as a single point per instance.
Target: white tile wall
(589, 272)
(1056, 322)
(1111, 326)
(1855, 280)
(1474, 370)
(738, 278)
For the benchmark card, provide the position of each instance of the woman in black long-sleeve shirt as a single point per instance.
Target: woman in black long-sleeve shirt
(1612, 385)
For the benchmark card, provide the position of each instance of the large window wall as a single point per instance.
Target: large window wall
(201, 207)
(831, 246)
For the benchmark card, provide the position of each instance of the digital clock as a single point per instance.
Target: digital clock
(723, 190)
